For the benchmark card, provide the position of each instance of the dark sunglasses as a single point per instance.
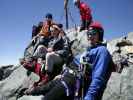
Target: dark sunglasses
(53, 29)
(91, 33)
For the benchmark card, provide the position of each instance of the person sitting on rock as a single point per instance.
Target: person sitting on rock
(45, 31)
(41, 34)
(32, 65)
(57, 52)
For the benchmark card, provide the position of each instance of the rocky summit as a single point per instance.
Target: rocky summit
(120, 85)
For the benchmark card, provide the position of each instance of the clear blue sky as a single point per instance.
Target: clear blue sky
(18, 16)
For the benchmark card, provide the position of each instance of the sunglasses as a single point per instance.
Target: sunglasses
(91, 33)
(53, 29)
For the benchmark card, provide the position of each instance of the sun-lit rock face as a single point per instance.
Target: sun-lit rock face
(120, 85)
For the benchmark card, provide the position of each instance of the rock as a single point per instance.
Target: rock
(130, 36)
(31, 98)
(80, 43)
(1, 73)
(120, 86)
(5, 71)
(11, 84)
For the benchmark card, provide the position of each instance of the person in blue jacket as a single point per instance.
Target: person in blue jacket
(99, 57)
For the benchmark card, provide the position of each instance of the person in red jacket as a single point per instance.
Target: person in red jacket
(85, 14)
(31, 64)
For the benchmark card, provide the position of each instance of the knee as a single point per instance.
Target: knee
(49, 56)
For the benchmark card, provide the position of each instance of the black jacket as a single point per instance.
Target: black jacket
(60, 45)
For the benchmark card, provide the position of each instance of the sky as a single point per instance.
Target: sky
(18, 16)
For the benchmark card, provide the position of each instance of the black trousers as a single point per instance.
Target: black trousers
(56, 91)
(53, 90)
(85, 24)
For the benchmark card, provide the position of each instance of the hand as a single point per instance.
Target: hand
(21, 61)
(28, 91)
(42, 83)
(49, 49)
(57, 77)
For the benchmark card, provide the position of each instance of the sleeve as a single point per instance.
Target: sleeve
(100, 74)
(29, 66)
(66, 48)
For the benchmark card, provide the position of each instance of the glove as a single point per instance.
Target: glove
(83, 58)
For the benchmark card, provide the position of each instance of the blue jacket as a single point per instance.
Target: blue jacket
(100, 58)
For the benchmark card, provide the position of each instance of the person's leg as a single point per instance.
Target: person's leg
(87, 23)
(82, 27)
(42, 90)
(56, 93)
(52, 59)
(49, 71)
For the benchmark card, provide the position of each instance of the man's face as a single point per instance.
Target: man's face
(92, 37)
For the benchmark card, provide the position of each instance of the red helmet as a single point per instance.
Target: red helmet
(96, 27)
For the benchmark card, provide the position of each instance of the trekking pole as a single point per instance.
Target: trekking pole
(73, 22)
(83, 66)
(66, 13)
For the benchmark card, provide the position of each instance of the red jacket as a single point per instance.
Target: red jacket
(36, 68)
(85, 11)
